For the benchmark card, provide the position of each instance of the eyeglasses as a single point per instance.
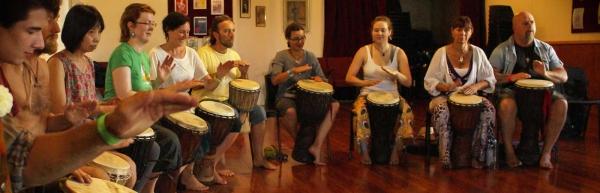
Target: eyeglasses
(150, 23)
(297, 39)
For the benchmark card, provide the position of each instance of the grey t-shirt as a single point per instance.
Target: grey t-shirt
(284, 61)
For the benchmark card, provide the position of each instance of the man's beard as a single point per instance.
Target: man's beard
(227, 44)
(51, 46)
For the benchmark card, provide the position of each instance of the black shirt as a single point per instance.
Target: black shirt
(525, 58)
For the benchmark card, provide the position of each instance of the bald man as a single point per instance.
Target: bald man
(522, 57)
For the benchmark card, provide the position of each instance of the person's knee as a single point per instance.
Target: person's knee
(335, 106)
(507, 105)
(291, 113)
(561, 105)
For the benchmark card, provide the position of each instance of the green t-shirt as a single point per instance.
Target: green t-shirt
(139, 64)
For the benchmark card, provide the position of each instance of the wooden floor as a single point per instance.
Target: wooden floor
(578, 170)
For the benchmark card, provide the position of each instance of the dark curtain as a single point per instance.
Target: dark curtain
(475, 9)
(348, 24)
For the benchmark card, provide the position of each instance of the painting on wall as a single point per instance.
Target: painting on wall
(200, 26)
(199, 4)
(296, 11)
(244, 8)
(217, 7)
(181, 6)
(261, 16)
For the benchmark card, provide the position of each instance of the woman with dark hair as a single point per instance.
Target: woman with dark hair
(383, 66)
(186, 66)
(288, 67)
(464, 68)
(72, 73)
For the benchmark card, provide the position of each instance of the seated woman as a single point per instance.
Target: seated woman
(72, 72)
(182, 64)
(384, 66)
(462, 67)
(290, 66)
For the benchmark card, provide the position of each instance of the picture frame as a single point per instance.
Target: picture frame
(181, 6)
(199, 4)
(200, 26)
(245, 9)
(217, 7)
(261, 16)
(296, 11)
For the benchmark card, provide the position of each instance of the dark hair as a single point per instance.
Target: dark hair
(131, 14)
(384, 19)
(461, 22)
(13, 11)
(173, 21)
(214, 26)
(79, 20)
(291, 28)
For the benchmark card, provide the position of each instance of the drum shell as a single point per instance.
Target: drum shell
(139, 150)
(530, 110)
(220, 126)
(190, 140)
(382, 121)
(243, 99)
(464, 119)
(311, 109)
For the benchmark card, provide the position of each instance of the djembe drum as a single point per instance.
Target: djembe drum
(383, 109)
(116, 167)
(533, 98)
(313, 101)
(97, 185)
(465, 113)
(140, 148)
(243, 94)
(189, 129)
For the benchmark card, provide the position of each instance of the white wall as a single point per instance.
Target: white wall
(256, 45)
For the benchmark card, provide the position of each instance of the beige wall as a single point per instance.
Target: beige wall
(553, 18)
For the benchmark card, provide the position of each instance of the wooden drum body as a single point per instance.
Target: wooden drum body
(533, 98)
(313, 100)
(243, 94)
(140, 148)
(465, 113)
(220, 117)
(384, 110)
(189, 129)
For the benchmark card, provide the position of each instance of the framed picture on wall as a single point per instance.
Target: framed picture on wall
(181, 6)
(296, 11)
(200, 26)
(261, 16)
(199, 4)
(244, 8)
(217, 7)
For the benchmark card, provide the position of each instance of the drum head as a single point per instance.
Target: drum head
(463, 99)
(245, 84)
(189, 121)
(111, 161)
(147, 133)
(97, 185)
(216, 108)
(534, 83)
(383, 98)
(314, 86)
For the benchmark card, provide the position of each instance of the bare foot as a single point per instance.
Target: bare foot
(365, 159)
(219, 179)
(226, 172)
(318, 159)
(512, 161)
(191, 183)
(266, 165)
(545, 161)
(476, 164)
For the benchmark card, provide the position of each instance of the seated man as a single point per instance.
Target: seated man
(522, 57)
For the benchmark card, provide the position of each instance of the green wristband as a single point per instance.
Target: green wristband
(106, 136)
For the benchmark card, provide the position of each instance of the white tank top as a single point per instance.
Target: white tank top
(372, 71)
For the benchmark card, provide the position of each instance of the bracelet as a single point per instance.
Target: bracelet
(106, 136)
(290, 73)
(509, 78)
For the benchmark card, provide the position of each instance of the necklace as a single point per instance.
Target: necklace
(297, 57)
(383, 50)
(462, 53)
(36, 82)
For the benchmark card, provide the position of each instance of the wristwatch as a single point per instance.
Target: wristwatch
(290, 73)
